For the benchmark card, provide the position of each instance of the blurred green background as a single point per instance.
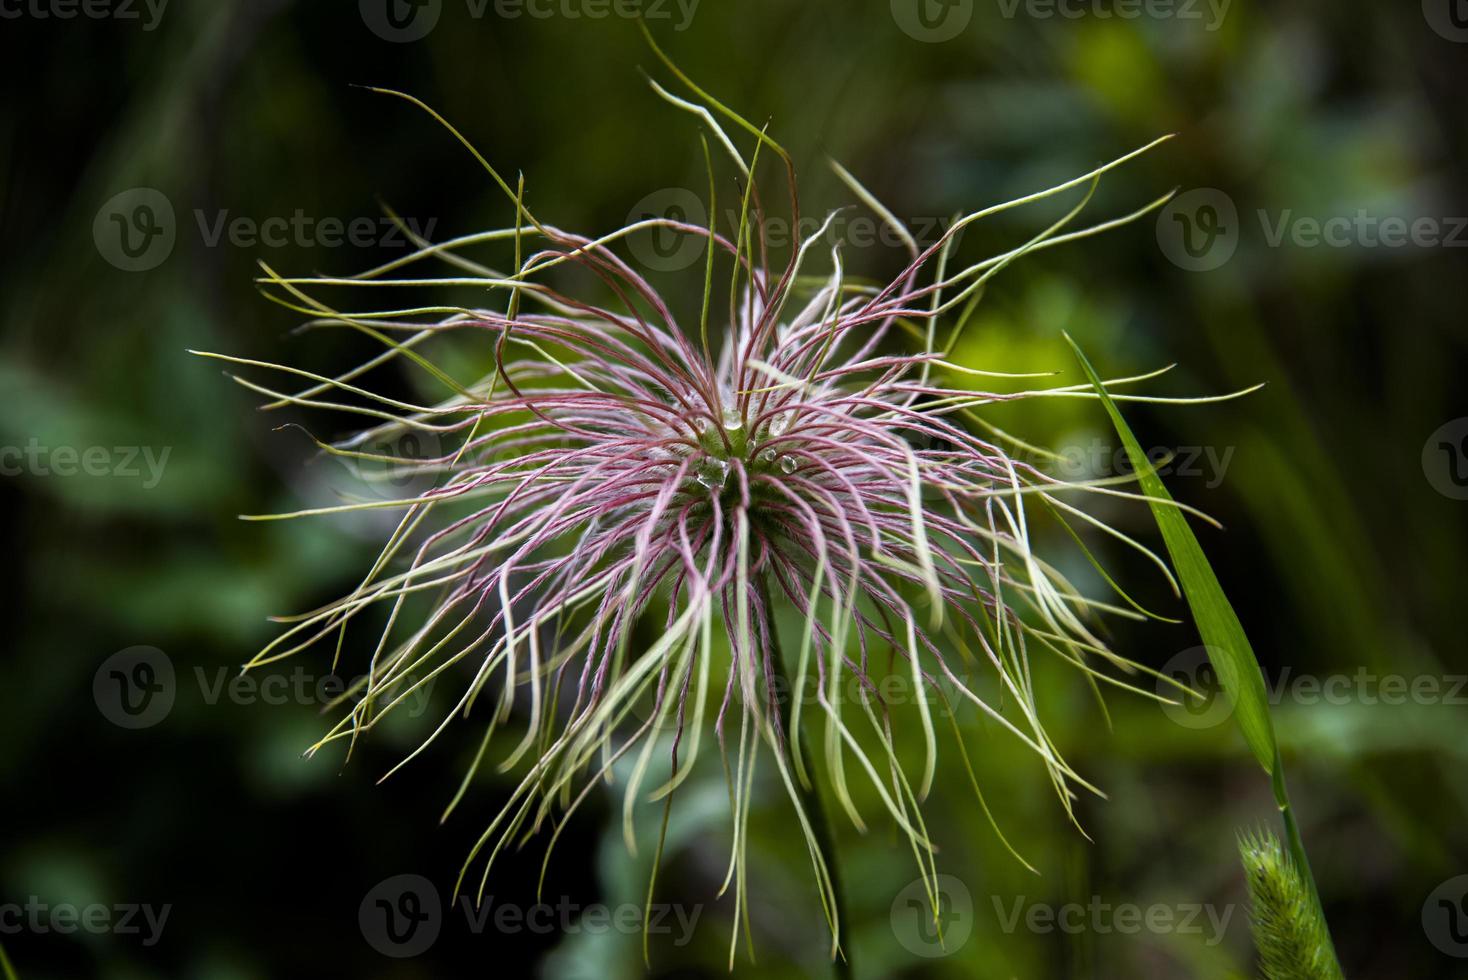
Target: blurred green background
(1345, 527)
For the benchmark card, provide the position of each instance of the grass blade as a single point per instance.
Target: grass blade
(1223, 635)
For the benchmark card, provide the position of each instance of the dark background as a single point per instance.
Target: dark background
(1343, 548)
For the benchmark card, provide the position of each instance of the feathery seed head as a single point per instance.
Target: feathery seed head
(813, 449)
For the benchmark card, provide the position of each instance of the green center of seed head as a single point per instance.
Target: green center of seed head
(731, 440)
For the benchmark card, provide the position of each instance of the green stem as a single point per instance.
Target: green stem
(1296, 845)
(810, 797)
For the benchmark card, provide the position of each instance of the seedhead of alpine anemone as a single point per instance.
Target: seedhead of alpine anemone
(800, 445)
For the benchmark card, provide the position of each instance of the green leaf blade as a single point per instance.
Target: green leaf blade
(1228, 646)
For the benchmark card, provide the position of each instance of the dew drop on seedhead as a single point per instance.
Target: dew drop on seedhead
(788, 464)
(733, 420)
(701, 424)
(780, 423)
(712, 473)
(767, 456)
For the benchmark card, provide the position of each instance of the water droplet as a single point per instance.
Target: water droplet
(733, 420)
(780, 423)
(788, 464)
(701, 424)
(712, 473)
(767, 456)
